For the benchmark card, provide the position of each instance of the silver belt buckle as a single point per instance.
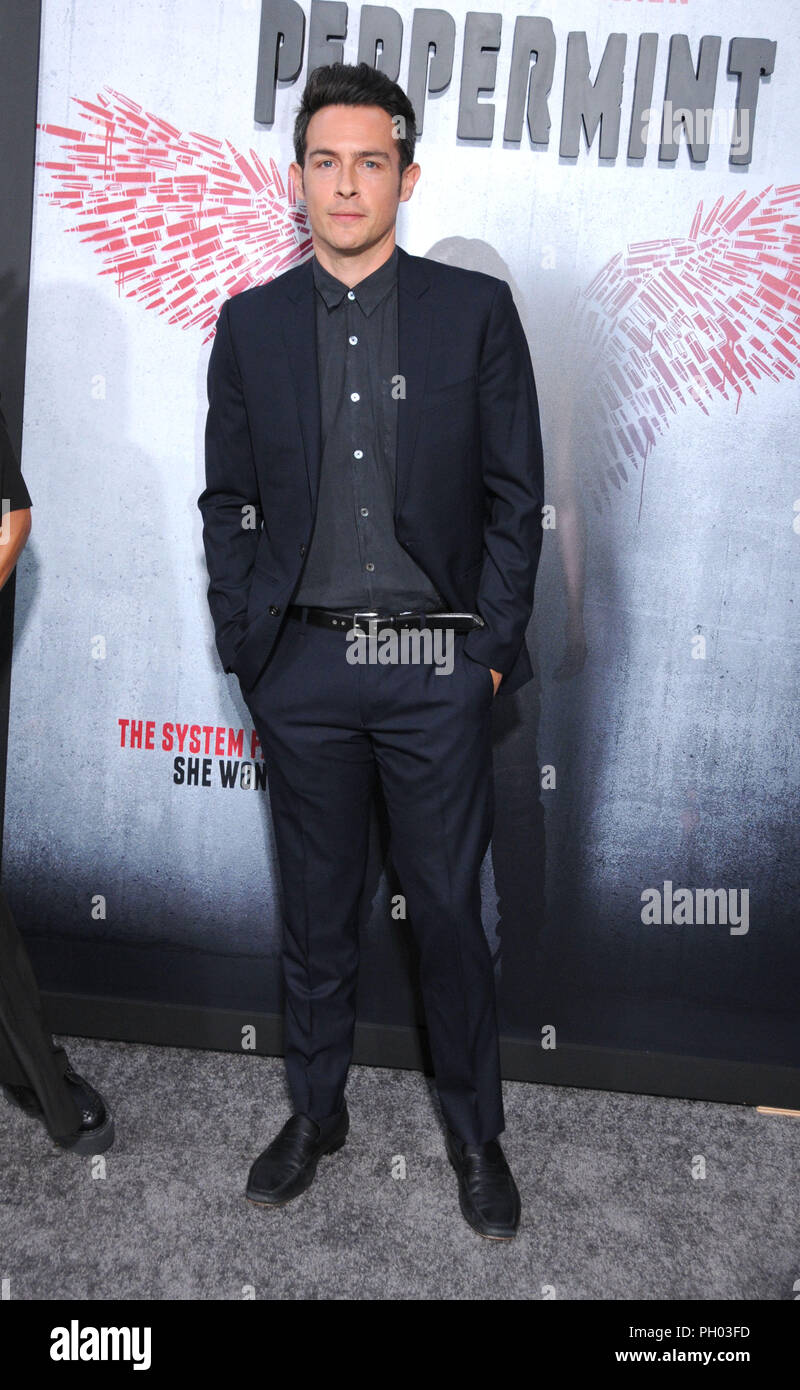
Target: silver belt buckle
(365, 613)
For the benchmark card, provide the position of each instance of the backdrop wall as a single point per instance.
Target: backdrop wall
(640, 892)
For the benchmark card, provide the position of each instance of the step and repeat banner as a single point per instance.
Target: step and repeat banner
(632, 169)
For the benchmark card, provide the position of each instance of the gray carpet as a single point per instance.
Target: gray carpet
(610, 1209)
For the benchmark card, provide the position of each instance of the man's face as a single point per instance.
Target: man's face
(351, 179)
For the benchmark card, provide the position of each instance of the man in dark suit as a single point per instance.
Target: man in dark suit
(35, 1074)
(373, 449)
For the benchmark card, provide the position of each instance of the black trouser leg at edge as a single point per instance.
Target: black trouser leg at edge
(28, 1054)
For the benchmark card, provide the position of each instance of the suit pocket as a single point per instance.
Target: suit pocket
(484, 677)
(288, 644)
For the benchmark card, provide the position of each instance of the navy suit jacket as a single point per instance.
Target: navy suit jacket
(469, 482)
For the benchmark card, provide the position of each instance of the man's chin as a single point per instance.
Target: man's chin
(348, 241)
(348, 232)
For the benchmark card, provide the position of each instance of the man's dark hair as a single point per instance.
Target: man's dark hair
(348, 84)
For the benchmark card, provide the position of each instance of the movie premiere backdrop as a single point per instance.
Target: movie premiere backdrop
(631, 168)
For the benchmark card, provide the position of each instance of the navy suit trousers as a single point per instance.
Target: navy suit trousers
(328, 727)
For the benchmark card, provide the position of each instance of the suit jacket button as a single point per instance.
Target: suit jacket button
(302, 550)
(273, 610)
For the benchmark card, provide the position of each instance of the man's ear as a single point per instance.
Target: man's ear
(296, 175)
(408, 181)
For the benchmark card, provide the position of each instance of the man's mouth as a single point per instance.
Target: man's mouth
(347, 216)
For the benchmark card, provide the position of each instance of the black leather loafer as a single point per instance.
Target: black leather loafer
(289, 1165)
(487, 1193)
(96, 1131)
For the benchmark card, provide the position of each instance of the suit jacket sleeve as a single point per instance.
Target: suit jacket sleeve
(12, 484)
(230, 502)
(513, 476)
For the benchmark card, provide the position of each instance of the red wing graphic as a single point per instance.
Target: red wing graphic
(680, 320)
(181, 221)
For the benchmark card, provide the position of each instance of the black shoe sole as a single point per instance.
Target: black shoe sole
(89, 1141)
(262, 1202)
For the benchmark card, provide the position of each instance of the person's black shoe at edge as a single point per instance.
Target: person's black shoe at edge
(96, 1131)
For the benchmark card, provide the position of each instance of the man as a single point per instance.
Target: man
(35, 1075)
(373, 447)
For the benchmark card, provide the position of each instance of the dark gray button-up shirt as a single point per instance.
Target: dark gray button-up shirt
(354, 558)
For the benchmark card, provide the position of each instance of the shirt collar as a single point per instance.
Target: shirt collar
(368, 292)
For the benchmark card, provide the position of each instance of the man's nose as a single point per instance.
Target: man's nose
(347, 183)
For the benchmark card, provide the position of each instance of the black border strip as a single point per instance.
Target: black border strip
(378, 1045)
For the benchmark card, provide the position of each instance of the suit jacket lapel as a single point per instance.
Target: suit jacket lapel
(299, 328)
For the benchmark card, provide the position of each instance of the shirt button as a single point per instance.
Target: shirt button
(351, 294)
(369, 566)
(358, 453)
(352, 339)
(365, 511)
(354, 396)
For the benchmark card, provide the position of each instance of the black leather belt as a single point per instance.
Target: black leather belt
(363, 621)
